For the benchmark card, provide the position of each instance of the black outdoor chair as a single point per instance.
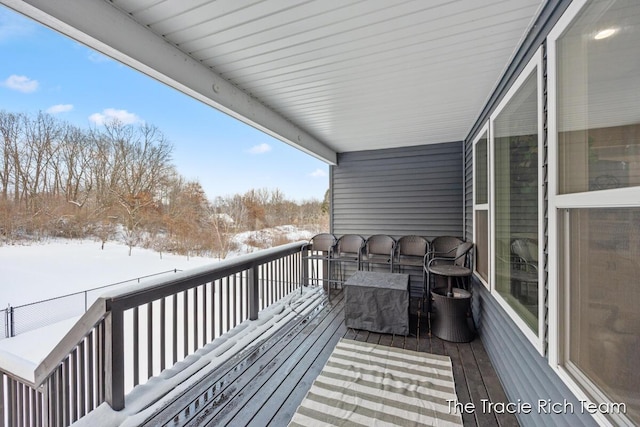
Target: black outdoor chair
(316, 254)
(410, 253)
(347, 252)
(379, 249)
(440, 247)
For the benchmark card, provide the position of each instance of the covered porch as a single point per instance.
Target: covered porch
(429, 115)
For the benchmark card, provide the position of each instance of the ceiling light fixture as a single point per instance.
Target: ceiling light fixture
(605, 33)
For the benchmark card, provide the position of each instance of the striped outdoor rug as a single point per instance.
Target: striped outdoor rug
(373, 385)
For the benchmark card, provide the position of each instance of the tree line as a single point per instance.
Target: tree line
(118, 181)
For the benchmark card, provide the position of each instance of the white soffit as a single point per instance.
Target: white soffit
(325, 76)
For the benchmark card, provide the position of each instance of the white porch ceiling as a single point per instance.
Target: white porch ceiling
(325, 76)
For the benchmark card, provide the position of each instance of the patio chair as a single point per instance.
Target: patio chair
(379, 249)
(316, 254)
(410, 253)
(346, 252)
(460, 259)
(524, 269)
(441, 247)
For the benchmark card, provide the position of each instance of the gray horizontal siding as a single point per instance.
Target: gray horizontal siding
(523, 372)
(400, 191)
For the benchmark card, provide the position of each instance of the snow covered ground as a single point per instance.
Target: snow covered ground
(38, 271)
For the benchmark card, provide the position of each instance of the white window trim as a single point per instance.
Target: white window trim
(536, 339)
(483, 206)
(619, 197)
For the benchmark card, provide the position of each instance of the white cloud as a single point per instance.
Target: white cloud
(318, 173)
(111, 114)
(259, 149)
(21, 83)
(59, 108)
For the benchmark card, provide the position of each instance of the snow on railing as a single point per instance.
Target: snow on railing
(131, 334)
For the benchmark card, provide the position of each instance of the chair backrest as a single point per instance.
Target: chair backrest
(445, 246)
(413, 246)
(462, 253)
(380, 244)
(349, 243)
(322, 242)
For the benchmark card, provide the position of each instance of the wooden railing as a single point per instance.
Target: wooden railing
(129, 335)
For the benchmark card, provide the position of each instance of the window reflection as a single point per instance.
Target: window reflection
(516, 202)
(604, 289)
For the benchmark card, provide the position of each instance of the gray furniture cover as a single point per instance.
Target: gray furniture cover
(377, 302)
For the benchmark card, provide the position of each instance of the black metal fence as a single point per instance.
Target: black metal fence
(28, 317)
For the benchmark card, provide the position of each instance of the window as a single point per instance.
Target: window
(481, 205)
(594, 201)
(515, 202)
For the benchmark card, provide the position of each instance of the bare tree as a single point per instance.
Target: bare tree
(142, 156)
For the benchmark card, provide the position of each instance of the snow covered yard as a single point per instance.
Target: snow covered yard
(38, 271)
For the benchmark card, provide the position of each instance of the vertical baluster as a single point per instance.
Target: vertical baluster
(195, 318)
(75, 395)
(163, 333)
(271, 283)
(262, 293)
(247, 288)
(219, 307)
(59, 396)
(36, 402)
(241, 296)
(204, 314)
(235, 300)
(253, 289)
(90, 372)
(185, 324)
(213, 310)
(83, 380)
(284, 275)
(227, 303)
(65, 392)
(149, 340)
(100, 362)
(20, 403)
(174, 317)
(136, 346)
(290, 273)
(11, 400)
(277, 280)
(51, 399)
(280, 278)
(295, 270)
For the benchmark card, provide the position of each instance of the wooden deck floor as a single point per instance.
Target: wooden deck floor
(263, 386)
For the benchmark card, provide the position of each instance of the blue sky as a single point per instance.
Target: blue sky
(41, 70)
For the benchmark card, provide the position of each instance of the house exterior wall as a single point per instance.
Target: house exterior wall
(399, 191)
(524, 373)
